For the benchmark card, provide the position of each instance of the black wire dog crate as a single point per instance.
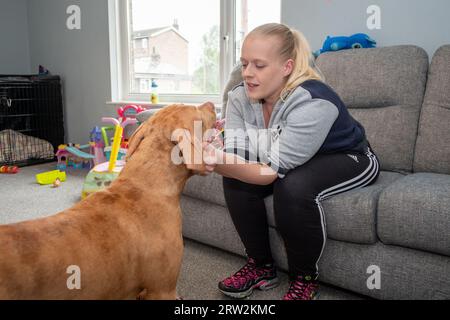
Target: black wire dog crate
(31, 119)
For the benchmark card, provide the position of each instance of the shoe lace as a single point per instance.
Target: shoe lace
(301, 290)
(247, 273)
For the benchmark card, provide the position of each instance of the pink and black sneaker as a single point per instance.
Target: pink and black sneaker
(249, 277)
(302, 288)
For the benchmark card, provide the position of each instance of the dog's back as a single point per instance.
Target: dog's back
(38, 257)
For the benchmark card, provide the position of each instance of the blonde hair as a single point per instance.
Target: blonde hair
(293, 46)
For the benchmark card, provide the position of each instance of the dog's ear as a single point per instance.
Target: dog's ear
(192, 151)
(135, 140)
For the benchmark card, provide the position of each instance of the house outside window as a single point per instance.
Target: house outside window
(188, 47)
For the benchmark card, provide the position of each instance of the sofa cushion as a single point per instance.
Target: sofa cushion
(414, 212)
(351, 216)
(208, 189)
(405, 273)
(383, 89)
(211, 224)
(433, 141)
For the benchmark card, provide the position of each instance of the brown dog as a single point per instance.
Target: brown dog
(125, 240)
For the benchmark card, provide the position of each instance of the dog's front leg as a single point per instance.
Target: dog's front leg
(142, 295)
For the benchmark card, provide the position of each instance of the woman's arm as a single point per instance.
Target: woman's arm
(232, 166)
(229, 164)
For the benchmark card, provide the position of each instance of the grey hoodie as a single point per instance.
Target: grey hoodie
(311, 120)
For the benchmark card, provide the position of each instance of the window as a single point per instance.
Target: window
(188, 47)
(250, 14)
(144, 85)
(140, 43)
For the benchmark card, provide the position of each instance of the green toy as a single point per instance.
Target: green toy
(100, 178)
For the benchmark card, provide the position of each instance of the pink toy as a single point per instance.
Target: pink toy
(129, 111)
(220, 125)
(127, 116)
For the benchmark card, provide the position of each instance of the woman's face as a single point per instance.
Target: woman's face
(265, 73)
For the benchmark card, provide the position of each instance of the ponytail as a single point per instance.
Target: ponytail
(304, 66)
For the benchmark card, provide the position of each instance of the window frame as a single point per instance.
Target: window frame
(120, 43)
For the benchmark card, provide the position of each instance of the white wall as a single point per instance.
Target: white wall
(418, 22)
(14, 49)
(80, 57)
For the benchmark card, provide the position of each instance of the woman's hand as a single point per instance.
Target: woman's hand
(212, 150)
(209, 157)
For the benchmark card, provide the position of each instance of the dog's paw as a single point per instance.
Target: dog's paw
(142, 295)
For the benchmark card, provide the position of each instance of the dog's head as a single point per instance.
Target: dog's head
(181, 127)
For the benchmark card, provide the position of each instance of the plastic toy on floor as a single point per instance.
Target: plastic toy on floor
(56, 183)
(97, 142)
(127, 117)
(50, 177)
(102, 175)
(356, 41)
(130, 111)
(72, 156)
(123, 143)
(9, 169)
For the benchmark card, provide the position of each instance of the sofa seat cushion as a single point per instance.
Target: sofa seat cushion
(350, 216)
(208, 188)
(414, 212)
(209, 223)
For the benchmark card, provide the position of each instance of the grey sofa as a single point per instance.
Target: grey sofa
(401, 224)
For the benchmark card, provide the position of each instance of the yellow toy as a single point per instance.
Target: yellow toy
(50, 177)
(115, 148)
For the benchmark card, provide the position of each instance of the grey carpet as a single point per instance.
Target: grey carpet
(21, 198)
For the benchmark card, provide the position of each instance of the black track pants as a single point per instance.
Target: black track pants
(297, 198)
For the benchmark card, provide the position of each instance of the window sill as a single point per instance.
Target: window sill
(139, 103)
(149, 105)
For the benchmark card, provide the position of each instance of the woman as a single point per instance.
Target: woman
(300, 144)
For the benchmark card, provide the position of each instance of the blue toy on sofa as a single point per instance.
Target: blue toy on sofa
(356, 41)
